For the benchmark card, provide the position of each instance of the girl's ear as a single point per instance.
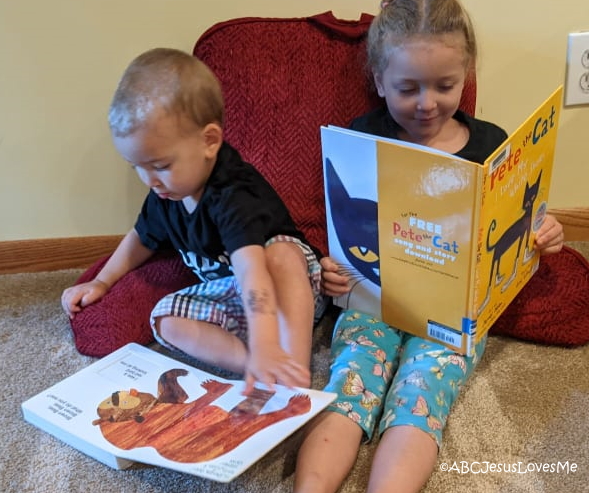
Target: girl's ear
(213, 138)
(378, 83)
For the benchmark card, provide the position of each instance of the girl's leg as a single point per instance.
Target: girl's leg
(403, 462)
(363, 353)
(423, 391)
(327, 454)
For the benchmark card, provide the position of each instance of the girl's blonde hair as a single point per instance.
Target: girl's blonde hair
(400, 20)
(169, 80)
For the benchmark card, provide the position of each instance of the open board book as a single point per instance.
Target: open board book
(435, 245)
(137, 405)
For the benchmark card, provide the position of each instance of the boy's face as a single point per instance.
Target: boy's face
(422, 84)
(174, 159)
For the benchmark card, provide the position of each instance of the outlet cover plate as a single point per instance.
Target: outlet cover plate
(577, 73)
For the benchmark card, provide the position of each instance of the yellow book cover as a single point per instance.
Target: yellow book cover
(436, 245)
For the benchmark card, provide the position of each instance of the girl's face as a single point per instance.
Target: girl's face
(422, 85)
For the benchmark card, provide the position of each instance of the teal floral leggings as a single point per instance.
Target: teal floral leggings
(381, 373)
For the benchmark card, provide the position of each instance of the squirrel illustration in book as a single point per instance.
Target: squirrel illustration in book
(188, 432)
(517, 232)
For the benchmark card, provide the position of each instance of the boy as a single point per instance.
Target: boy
(260, 277)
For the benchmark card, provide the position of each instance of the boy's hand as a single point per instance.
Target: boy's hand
(79, 296)
(273, 365)
(333, 281)
(550, 236)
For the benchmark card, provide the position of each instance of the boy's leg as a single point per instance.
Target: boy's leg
(204, 341)
(295, 273)
(205, 321)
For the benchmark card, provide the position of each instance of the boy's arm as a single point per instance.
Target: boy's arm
(267, 361)
(128, 255)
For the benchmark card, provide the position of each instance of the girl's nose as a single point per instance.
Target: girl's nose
(426, 101)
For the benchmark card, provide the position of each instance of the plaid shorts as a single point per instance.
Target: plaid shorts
(219, 301)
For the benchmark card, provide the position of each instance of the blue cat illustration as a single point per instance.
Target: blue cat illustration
(355, 221)
(519, 232)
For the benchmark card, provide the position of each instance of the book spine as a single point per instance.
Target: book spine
(469, 326)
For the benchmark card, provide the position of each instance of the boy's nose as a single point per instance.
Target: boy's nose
(150, 179)
(152, 182)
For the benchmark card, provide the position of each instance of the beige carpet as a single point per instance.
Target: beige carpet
(526, 407)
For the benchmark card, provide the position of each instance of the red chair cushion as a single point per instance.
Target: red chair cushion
(122, 316)
(553, 308)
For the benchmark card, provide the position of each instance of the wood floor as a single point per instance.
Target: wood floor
(77, 253)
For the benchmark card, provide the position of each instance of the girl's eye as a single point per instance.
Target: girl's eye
(162, 167)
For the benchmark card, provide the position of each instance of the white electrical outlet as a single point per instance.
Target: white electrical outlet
(577, 75)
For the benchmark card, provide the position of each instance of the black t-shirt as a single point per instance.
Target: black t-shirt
(484, 138)
(238, 208)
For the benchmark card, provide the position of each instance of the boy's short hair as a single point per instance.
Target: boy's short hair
(170, 80)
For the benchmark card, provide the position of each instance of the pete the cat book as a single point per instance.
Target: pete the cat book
(138, 405)
(436, 245)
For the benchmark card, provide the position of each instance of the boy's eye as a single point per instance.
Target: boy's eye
(161, 167)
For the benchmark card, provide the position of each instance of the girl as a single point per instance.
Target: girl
(419, 53)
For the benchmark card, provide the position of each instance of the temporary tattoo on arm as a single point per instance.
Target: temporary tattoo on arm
(258, 302)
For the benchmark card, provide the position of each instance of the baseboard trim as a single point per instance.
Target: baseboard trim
(79, 253)
(54, 253)
(575, 221)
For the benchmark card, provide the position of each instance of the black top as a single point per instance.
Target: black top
(238, 208)
(484, 138)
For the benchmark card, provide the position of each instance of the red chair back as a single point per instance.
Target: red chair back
(282, 79)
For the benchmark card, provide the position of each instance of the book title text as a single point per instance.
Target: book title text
(424, 239)
(542, 127)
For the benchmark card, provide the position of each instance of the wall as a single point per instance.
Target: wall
(61, 61)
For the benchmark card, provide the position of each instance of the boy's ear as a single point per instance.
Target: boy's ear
(213, 137)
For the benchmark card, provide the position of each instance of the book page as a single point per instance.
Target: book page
(139, 405)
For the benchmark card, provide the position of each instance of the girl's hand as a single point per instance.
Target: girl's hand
(333, 282)
(550, 236)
